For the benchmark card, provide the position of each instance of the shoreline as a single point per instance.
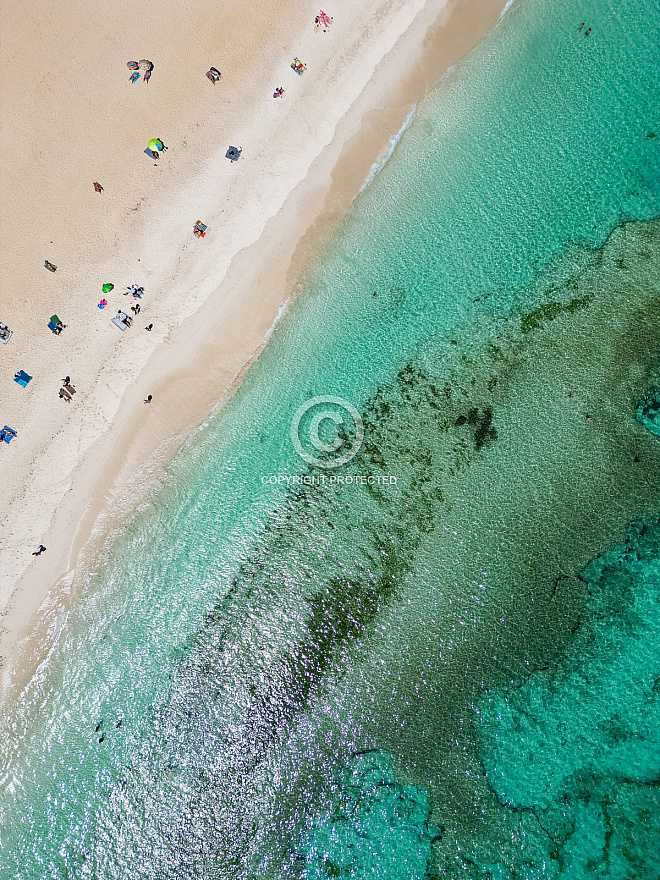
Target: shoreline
(205, 353)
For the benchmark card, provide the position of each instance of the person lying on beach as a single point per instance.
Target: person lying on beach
(98, 187)
(136, 308)
(50, 266)
(135, 77)
(65, 396)
(39, 551)
(147, 75)
(149, 327)
(278, 93)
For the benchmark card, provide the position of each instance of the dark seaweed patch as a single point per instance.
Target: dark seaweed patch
(550, 311)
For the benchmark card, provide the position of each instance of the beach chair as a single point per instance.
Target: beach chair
(55, 325)
(7, 434)
(199, 229)
(5, 334)
(22, 378)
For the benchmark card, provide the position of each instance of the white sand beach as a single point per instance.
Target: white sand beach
(71, 117)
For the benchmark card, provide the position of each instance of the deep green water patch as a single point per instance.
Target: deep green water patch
(549, 311)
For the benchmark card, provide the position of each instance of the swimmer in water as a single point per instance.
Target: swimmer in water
(581, 26)
(588, 32)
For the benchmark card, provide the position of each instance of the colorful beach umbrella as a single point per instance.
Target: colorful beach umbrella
(155, 144)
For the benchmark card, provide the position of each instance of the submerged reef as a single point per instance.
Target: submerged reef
(374, 827)
(573, 754)
(648, 411)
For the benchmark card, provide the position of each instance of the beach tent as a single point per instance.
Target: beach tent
(234, 153)
(5, 334)
(107, 288)
(22, 378)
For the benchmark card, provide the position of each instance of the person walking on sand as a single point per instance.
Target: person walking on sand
(39, 551)
(149, 399)
(149, 327)
(98, 187)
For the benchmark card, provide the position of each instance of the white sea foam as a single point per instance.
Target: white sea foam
(281, 311)
(375, 168)
(506, 8)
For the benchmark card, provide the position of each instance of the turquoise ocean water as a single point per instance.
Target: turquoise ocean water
(449, 673)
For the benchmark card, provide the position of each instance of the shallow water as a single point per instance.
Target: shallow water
(490, 307)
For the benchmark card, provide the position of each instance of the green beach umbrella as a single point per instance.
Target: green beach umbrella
(107, 288)
(154, 144)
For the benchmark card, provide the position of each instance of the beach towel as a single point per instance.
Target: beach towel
(22, 378)
(7, 434)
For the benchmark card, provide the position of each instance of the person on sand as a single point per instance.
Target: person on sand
(98, 187)
(135, 77)
(39, 551)
(64, 395)
(66, 380)
(149, 327)
(149, 399)
(136, 308)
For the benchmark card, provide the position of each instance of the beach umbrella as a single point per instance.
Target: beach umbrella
(155, 144)
(107, 288)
